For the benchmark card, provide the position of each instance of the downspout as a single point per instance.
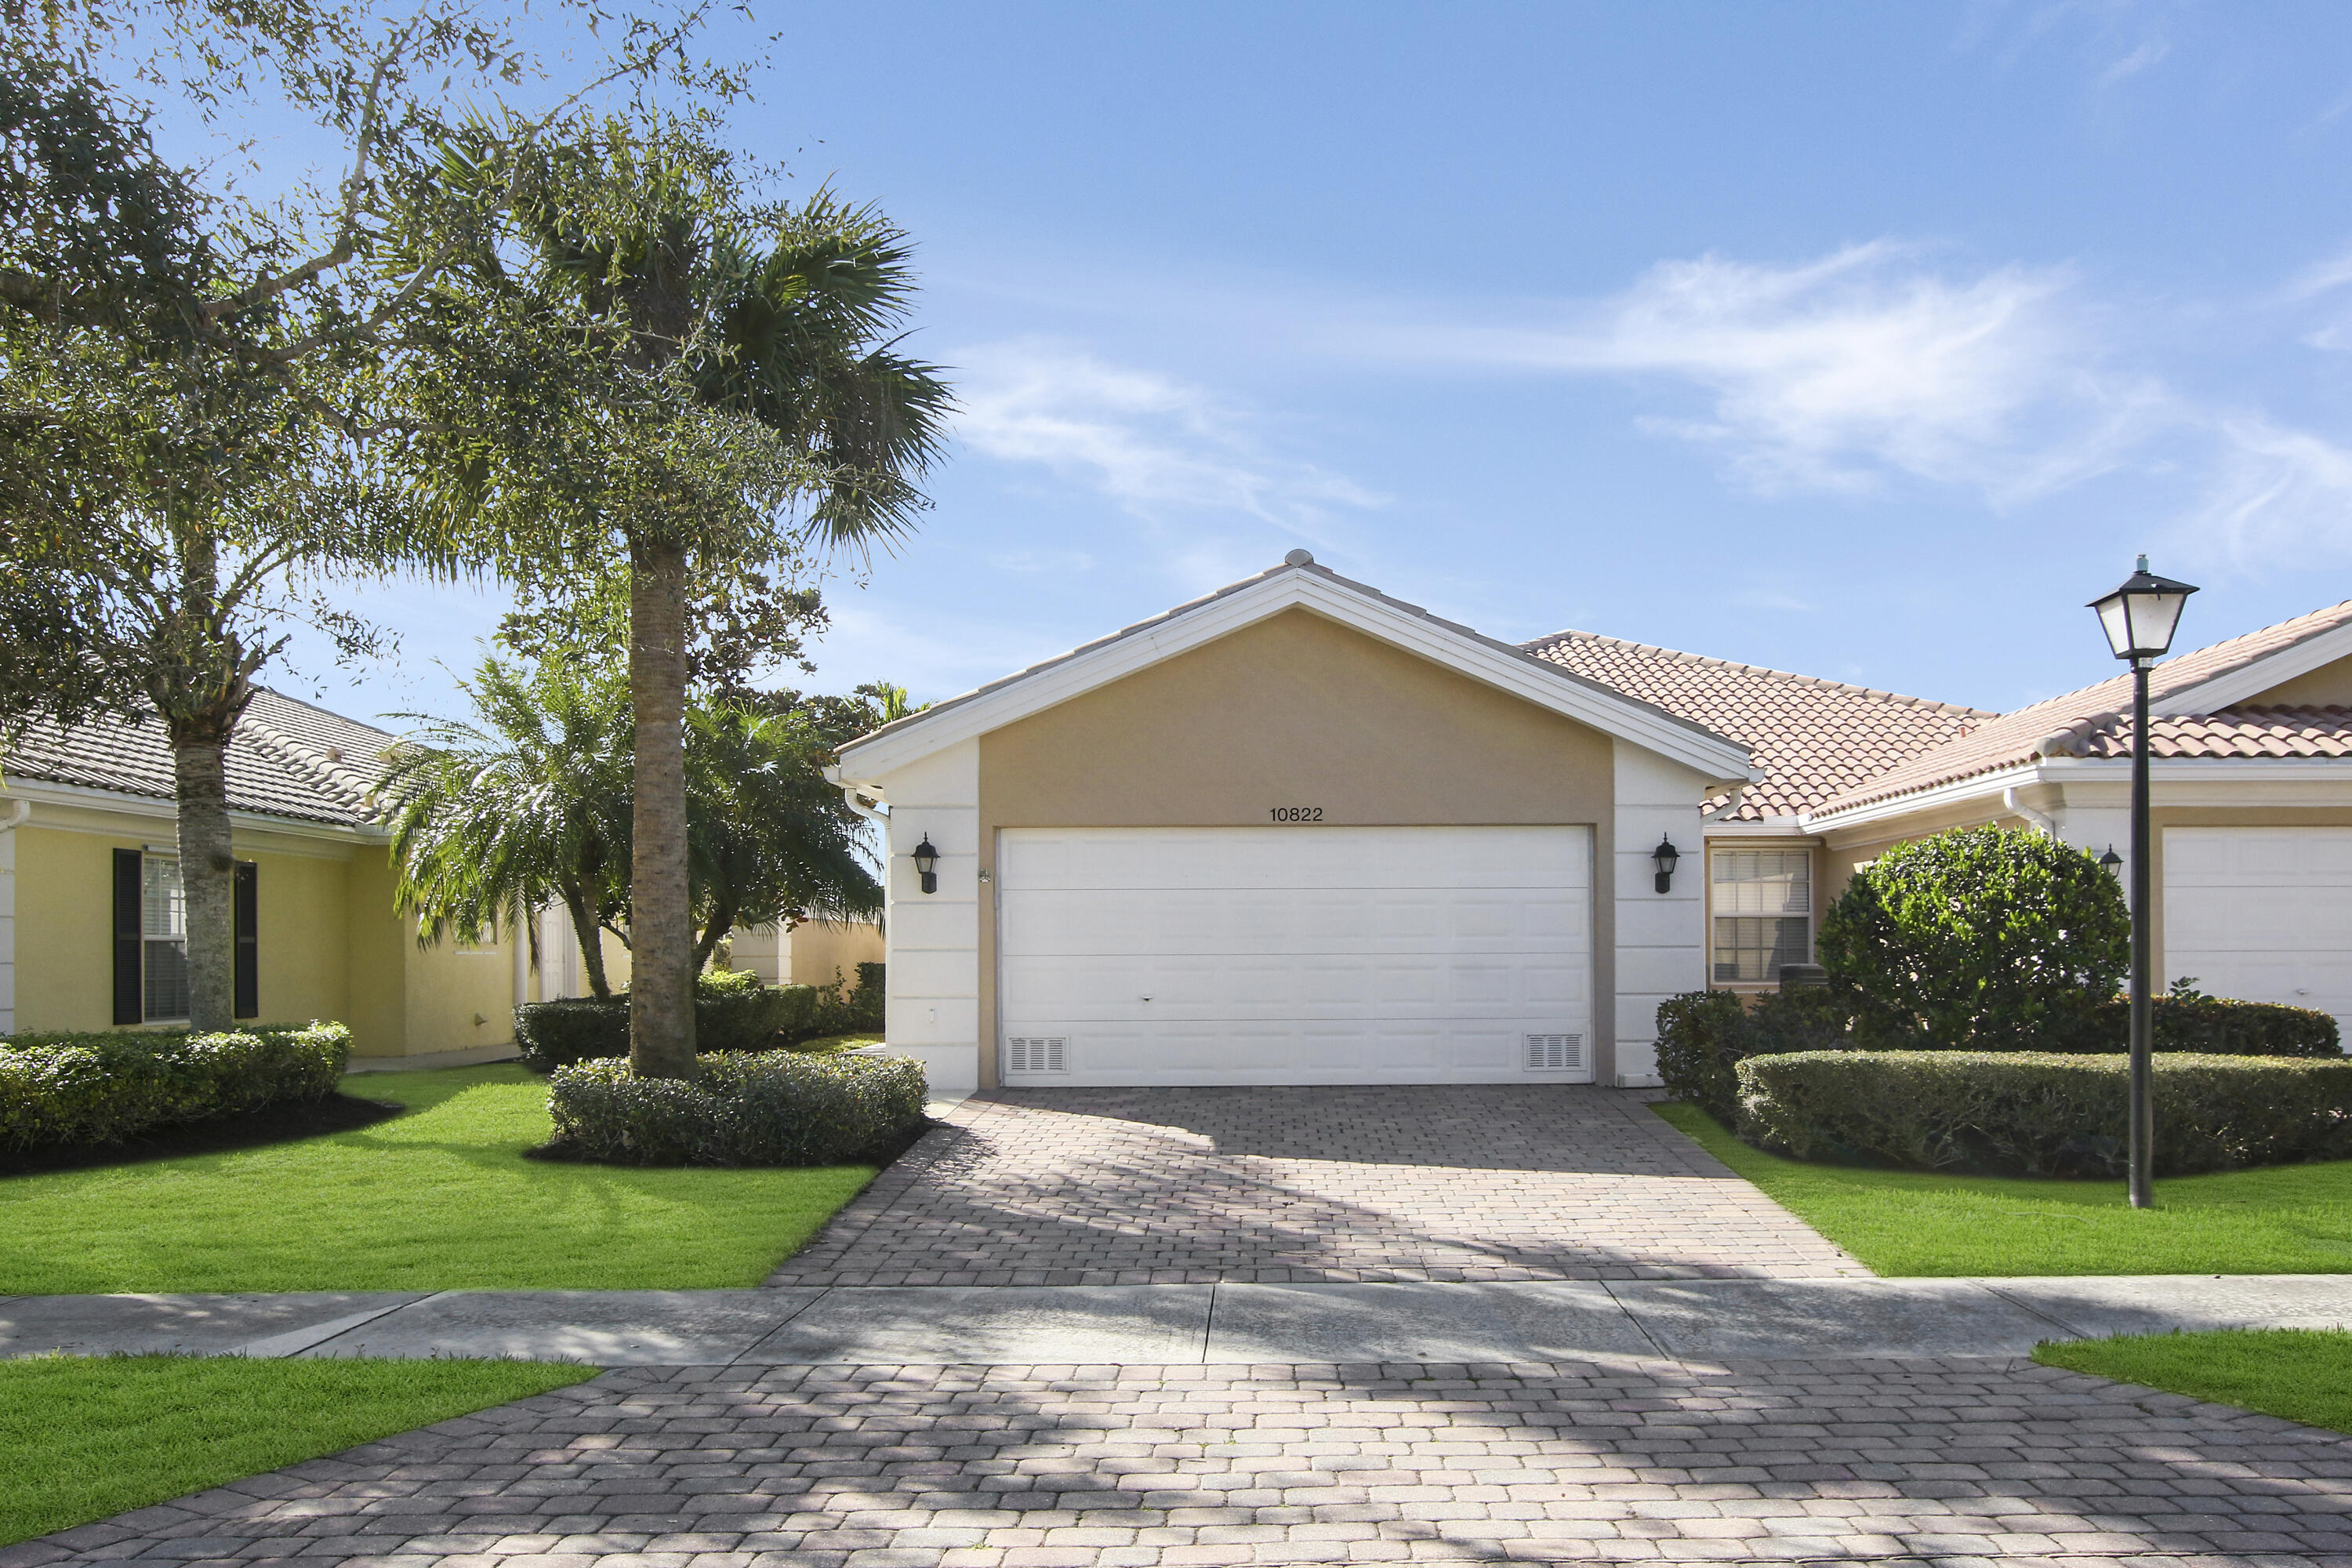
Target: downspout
(2044, 822)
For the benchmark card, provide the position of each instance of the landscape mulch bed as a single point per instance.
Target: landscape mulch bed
(214, 1135)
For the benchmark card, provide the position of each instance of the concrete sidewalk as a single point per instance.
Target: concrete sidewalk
(1517, 1322)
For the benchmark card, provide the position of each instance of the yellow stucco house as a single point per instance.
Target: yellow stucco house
(1300, 832)
(91, 935)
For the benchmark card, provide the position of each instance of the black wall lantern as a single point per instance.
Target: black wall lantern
(1665, 854)
(2111, 862)
(927, 865)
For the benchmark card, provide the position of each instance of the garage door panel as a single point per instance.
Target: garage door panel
(1297, 955)
(2263, 914)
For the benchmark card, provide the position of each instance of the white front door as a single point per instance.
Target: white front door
(2263, 915)
(1296, 954)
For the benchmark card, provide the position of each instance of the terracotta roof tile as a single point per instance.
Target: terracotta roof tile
(1811, 738)
(2061, 723)
(2244, 731)
(287, 759)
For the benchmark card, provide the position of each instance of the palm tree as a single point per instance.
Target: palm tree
(492, 823)
(701, 386)
(773, 843)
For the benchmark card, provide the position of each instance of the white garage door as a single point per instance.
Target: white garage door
(2263, 914)
(1295, 955)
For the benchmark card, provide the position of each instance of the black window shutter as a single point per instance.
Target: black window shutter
(249, 940)
(130, 1003)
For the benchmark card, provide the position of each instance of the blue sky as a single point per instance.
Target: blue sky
(1860, 340)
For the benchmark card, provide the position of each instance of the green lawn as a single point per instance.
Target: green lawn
(82, 1437)
(2287, 1219)
(437, 1199)
(2299, 1374)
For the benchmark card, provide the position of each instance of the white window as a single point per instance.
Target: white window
(1763, 912)
(164, 928)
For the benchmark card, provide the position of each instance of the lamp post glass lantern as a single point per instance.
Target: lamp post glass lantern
(2140, 620)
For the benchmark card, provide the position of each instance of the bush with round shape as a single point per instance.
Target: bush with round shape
(1977, 939)
(765, 1108)
(2036, 1113)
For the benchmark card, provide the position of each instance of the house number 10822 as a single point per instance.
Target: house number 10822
(1297, 814)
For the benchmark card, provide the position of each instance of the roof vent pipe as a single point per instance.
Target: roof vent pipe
(2041, 821)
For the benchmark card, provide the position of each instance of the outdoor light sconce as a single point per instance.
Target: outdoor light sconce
(2111, 862)
(927, 865)
(1665, 854)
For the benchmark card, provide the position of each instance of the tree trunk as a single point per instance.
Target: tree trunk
(661, 921)
(207, 882)
(714, 931)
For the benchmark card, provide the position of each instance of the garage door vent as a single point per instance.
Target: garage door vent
(1555, 1053)
(1037, 1053)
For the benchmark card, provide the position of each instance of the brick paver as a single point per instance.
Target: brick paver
(1931, 1462)
(1194, 1185)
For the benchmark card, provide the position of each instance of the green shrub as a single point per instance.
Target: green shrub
(66, 1091)
(1977, 939)
(768, 1107)
(844, 1010)
(732, 1012)
(2042, 1114)
(2216, 1026)
(1704, 1036)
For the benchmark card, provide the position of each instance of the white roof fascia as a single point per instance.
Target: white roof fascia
(90, 797)
(1770, 827)
(1952, 794)
(2064, 771)
(1495, 664)
(2249, 681)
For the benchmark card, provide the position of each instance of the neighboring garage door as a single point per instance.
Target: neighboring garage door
(1295, 955)
(2263, 914)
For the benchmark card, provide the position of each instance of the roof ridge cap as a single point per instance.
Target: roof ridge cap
(1763, 670)
(350, 787)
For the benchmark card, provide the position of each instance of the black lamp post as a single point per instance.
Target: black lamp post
(2139, 618)
(927, 865)
(1665, 854)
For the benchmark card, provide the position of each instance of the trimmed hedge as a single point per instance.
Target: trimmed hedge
(732, 1012)
(766, 1108)
(1704, 1036)
(67, 1091)
(2037, 1113)
(2216, 1026)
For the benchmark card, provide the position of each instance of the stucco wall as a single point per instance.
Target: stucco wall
(7, 929)
(65, 937)
(2329, 686)
(814, 954)
(1293, 710)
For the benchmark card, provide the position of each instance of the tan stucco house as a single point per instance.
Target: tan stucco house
(91, 934)
(1297, 832)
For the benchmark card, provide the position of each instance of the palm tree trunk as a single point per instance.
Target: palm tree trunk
(661, 921)
(208, 880)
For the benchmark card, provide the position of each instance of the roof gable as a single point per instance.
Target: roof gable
(1297, 584)
(2197, 685)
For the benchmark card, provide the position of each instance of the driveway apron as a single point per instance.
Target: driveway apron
(1289, 1185)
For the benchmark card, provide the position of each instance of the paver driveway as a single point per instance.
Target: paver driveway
(1197, 1185)
(1947, 1463)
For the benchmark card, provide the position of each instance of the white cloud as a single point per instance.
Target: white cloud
(2132, 64)
(2271, 490)
(1839, 372)
(1150, 442)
